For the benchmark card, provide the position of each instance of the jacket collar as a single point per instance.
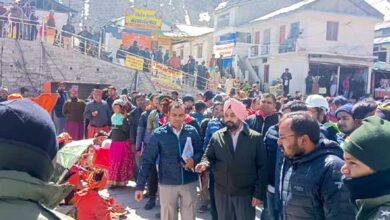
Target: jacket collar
(368, 205)
(324, 147)
(245, 129)
(22, 186)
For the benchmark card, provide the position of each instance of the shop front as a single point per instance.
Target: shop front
(381, 80)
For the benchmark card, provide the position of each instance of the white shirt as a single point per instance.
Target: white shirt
(177, 132)
(235, 136)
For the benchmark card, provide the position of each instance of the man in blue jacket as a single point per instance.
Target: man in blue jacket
(312, 187)
(176, 175)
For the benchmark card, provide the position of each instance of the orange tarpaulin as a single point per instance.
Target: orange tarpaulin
(46, 101)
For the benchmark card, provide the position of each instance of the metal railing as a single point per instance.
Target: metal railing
(258, 50)
(22, 29)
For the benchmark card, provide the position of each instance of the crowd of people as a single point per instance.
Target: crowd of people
(299, 157)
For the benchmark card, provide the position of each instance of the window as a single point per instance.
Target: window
(223, 20)
(257, 37)
(199, 51)
(332, 30)
(294, 30)
(282, 33)
(265, 48)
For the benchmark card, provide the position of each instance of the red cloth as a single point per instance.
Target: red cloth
(102, 158)
(90, 206)
(94, 130)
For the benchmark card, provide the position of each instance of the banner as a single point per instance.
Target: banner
(166, 78)
(134, 62)
(224, 49)
(142, 40)
(143, 19)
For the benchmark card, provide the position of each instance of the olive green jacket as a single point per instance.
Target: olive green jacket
(24, 197)
(374, 209)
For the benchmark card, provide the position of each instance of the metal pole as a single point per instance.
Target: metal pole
(100, 44)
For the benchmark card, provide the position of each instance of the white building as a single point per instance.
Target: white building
(196, 41)
(323, 36)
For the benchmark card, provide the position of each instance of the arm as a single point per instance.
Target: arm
(141, 132)
(197, 145)
(209, 157)
(88, 112)
(334, 195)
(148, 160)
(261, 166)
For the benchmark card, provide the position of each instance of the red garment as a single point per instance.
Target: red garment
(250, 112)
(90, 206)
(174, 62)
(187, 118)
(102, 158)
(94, 130)
(261, 114)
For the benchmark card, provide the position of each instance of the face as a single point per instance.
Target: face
(3, 94)
(91, 150)
(256, 105)
(176, 117)
(333, 107)
(345, 122)
(99, 140)
(288, 141)
(116, 109)
(353, 167)
(155, 101)
(189, 104)
(174, 96)
(61, 87)
(267, 105)
(218, 111)
(111, 92)
(319, 116)
(97, 96)
(231, 120)
(199, 97)
(140, 102)
(73, 93)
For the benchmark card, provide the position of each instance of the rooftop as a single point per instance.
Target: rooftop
(183, 30)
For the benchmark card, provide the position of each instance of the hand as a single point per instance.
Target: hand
(95, 113)
(139, 195)
(139, 153)
(256, 202)
(189, 165)
(200, 168)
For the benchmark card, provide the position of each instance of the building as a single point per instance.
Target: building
(320, 36)
(231, 35)
(192, 41)
(381, 69)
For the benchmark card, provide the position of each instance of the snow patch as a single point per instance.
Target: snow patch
(204, 16)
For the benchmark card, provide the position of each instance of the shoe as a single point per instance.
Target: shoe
(158, 215)
(150, 204)
(203, 209)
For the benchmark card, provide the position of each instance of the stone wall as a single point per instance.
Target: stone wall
(21, 66)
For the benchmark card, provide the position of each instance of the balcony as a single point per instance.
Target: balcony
(258, 50)
(289, 45)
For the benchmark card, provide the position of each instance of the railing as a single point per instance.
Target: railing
(289, 45)
(21, 29)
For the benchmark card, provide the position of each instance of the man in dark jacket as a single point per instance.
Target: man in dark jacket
(266, 116)
(134, 116)
(58, 116)
(240, 184)
(176, 175)
(277, 164)
(312, 187)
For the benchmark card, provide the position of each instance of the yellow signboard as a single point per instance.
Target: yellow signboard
(134, 62)
(143, 19)
(166, 78)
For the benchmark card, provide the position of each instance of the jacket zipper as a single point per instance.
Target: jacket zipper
(181, 168)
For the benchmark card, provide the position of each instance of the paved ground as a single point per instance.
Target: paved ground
(125, 197)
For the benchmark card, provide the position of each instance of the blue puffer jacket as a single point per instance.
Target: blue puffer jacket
(165, 144)
(214, 125)
(315, 189)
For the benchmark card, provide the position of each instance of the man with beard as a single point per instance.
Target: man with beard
(188, 102)
(345, 121)
(240, 183)
(312, 187)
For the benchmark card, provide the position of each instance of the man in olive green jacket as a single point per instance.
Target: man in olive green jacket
(367, 170)
(28, 148)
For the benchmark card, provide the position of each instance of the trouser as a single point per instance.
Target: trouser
(169, 194)
(59, 123)
(92, 130)
(333, 89)
(269, 208)
(213, 208)
(286, 90)
(234, 207)
(153, 182)
(204, 188)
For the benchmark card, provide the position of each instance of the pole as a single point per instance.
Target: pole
(100, 44)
